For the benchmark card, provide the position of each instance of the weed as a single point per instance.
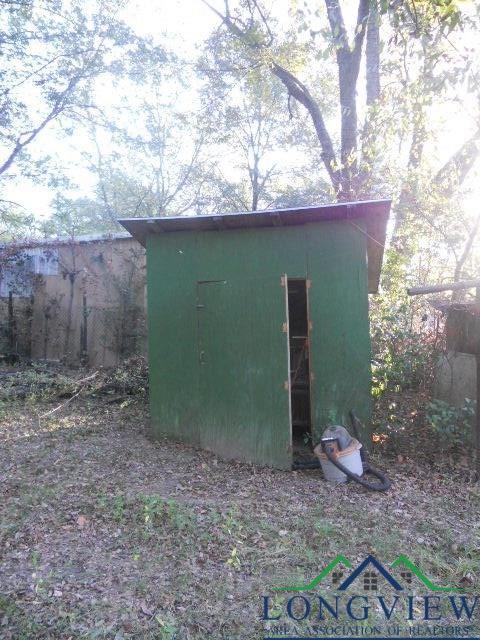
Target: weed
(119, 508)
(324, 529)
(168, 629)
(25, 627)
(35, 559)
(451, 424)
(232, 524)
(152, 510)
(141, 587)
(233, 560)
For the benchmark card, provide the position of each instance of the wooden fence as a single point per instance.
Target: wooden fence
(78, 301)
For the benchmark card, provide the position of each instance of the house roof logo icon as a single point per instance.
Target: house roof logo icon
(370, 562)
(372, 565)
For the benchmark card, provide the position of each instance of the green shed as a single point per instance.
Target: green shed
(258, 325)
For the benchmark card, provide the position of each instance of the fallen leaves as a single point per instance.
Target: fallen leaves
(147, 611)
(102, 480)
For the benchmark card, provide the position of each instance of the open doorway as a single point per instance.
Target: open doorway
(299, 368)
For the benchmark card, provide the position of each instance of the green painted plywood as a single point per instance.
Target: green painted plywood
(340, 339)
(172, 338)
(243, 355)
(234, 402)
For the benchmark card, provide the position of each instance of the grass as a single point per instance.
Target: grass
(106, 534)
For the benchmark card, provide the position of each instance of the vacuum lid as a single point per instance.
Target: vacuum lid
(340, 434)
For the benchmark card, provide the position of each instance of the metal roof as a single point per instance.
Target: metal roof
(374, 212)
(28, 243)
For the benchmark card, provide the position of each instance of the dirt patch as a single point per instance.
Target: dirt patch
(106, 534)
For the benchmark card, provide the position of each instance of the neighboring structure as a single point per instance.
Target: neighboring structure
(76, 300)
(456, 376)
(258, 324)
(455, 372)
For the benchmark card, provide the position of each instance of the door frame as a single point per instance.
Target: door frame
(311, 376)
(288, 383)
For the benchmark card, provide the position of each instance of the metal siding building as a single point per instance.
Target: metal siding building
(239, 304)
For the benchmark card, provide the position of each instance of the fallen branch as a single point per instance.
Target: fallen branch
(83, 382)
(436, 288)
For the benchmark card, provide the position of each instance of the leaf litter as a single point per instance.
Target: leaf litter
(105, 533)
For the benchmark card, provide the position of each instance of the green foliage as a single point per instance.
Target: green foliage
(453, 425)
(153, 507)
(168, 630)
(73, 217)
(404, 349)
(232, 524)
(130, 378)
(234, 560)
(158, 513)
(119, 506)
(421, 17)
(38, 384)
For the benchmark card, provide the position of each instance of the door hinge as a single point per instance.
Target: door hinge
(285, 327)
(286, 386)
(308, 284)
(283, 281)
(312, 376)
(310, 325)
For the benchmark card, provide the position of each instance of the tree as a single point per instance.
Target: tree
(154, 169)
(53, 54)
(420, 70)
(250, 25)
(253, 128)
(72, 217)
(255, 33)
(248, 131)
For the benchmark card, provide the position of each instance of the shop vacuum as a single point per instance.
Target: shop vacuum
(343, 458)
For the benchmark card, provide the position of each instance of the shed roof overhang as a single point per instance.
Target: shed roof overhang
(374, 213)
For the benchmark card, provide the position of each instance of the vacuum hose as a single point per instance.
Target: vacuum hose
(384, 482)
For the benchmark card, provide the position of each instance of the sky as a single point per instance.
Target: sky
(185, 24)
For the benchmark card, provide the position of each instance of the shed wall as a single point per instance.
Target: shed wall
(224, 410)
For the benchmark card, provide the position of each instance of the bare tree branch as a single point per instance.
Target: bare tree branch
(300, 92)
(297, 90)
(455, 170)
(26, 138)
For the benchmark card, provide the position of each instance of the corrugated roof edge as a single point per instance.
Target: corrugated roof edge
(374, 212)
(140, 227)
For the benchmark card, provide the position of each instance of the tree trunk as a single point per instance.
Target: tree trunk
(372, 56)
(348, 64)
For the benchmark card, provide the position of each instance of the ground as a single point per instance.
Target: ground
(106, 534)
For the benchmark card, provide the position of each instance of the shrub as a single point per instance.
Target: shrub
(404, 347)
(453, 425)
